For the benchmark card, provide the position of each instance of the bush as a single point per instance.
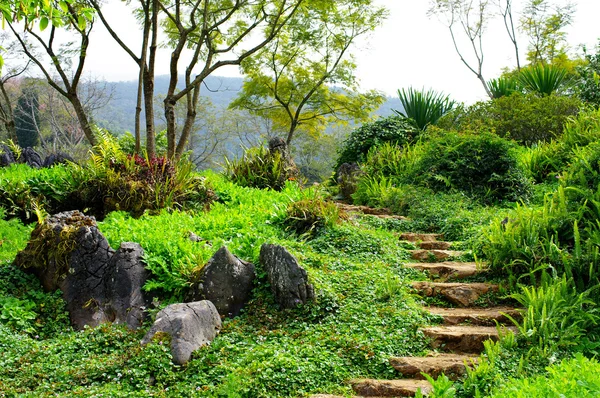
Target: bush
(588, 85)
(260, 168)
(484, 166)
(394, 129)
(573, 378)
(309, 215)
(424, 108)
(526, 118)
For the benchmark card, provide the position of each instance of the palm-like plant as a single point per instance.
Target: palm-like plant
(543, 79)
(424, 107)
(503, 86)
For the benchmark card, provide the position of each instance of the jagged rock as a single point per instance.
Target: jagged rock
(190, 325)
(289, 281)
(347, 178)
(226, 281)
(30, 157)
(125, 276)
(57, 158)
(68, 252)
(6, 156)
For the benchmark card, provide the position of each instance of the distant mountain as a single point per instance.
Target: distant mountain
(119, 114)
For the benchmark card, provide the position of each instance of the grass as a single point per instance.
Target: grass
(351, 330)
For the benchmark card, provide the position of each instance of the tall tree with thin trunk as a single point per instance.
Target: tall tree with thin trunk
(469, 18)
(61, 64)
(506, 11)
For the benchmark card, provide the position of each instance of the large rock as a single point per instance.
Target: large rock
(68, 252)
(226, 281)
(289, 281)
(6, 156)
(57, 158)
(30, 157)
(124, 278)
(190, 325)
(348, 175)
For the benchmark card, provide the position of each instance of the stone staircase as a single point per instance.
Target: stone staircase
(458, 342)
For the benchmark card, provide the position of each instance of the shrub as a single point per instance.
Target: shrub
(394, 129)
(309, 215)
(424, 108)
(484, 166)
(588, 86)
(543, 79)
(503, 86)
(572, 378)
(261, 168)
(526, 118)
(556, 315)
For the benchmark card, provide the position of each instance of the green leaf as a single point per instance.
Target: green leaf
(63, 6)
(81, 22)
(43, 23)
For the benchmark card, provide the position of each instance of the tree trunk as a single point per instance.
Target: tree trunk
(82, 118)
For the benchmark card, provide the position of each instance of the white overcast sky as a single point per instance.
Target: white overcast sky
(409, 49)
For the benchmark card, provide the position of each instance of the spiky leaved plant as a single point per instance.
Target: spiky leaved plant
(543, 79)
(424, 107)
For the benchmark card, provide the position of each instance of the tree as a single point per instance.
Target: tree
(27, 119)
(291, 80)
(469, 17)
(69, 17)
(506, 11)
(9, 75)
(543, 22)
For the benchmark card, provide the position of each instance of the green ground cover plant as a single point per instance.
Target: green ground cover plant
(350, 330)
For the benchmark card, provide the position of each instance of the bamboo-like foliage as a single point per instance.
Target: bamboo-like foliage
(424, 107)
(543, 79)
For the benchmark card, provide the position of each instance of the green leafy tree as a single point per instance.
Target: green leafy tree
(305, 79)
(544, 24)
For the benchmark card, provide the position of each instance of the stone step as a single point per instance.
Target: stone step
(448, 269)
(389, 388)
(452, 365)
(413, 237)
(476, 316)
(436, 245)
(434, 255)
(461, 294)
(462, 339)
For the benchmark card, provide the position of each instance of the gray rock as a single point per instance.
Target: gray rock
(124, 280)
(289, 281)
(69, 253)
(226, 281)
(57, 158)
(30, 157)
(190, 325)
(347, 178)
(6, 156)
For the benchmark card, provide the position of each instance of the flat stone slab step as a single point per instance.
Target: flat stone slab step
(476, 316)
(389, 388)
(448, 269)
(413, 237)
(461, 294)
(462, 339)
(434, 255)
(436, 245)
(452, 365)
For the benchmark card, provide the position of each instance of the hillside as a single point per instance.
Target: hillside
(118, 115)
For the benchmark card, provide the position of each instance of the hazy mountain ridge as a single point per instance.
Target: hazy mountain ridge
(119, 114)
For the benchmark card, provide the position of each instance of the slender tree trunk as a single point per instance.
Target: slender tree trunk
(293, 126)
(149, 85)
(82, 118)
